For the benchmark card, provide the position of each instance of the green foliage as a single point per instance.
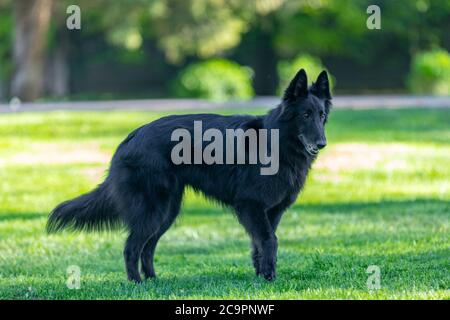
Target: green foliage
(5, 43)
(196, 27)
(320, 27)
(396, 216)
(430, 73)
(339, 28)
(312, 65)
(204, 28)
(216, 79)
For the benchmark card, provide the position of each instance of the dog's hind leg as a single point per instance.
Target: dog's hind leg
(144, 225)
(133, 248)
(145, 210)
(141, 225)
(149, 248)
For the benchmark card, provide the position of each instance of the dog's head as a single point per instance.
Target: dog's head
(306, 110)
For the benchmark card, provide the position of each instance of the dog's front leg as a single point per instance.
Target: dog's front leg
(256, 258)
(256, 223)
(269, 257)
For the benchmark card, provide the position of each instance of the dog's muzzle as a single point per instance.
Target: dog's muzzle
(310, 148)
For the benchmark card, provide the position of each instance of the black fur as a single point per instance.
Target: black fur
(144, 188)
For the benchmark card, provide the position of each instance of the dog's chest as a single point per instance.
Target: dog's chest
(285, 185)
(294, 176)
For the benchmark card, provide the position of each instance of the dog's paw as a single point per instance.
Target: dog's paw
(135, 279)
(257, 269)
(149, 274)
(270, 276)
(269, 273)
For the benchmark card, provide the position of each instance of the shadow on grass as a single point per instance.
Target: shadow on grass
(5, 216)
(398, 206)
(432, 206)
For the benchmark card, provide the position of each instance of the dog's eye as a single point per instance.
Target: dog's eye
(306, 114)
(322, 116)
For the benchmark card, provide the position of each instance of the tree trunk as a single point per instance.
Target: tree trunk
(257, 51)
(31, 23)
(265, 65)
(57, 70)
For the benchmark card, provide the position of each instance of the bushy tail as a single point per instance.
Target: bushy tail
(92, 211)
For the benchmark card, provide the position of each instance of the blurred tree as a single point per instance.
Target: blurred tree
(320, 27)
(195, 29)
(339, 27)
(31, 24)
(57, 64)
(5, 46)
(182, 28)
(208, 28)
(128, 45)
(336, 31)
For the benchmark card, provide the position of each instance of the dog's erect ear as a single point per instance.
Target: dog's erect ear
(321, 88)
(297, 88)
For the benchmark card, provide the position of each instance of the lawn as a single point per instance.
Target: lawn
(378, 195)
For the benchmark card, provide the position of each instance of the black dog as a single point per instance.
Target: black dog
(144, 188)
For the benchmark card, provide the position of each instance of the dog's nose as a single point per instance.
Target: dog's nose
(321, 144)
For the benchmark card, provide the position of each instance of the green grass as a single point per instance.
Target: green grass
(378, 195)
